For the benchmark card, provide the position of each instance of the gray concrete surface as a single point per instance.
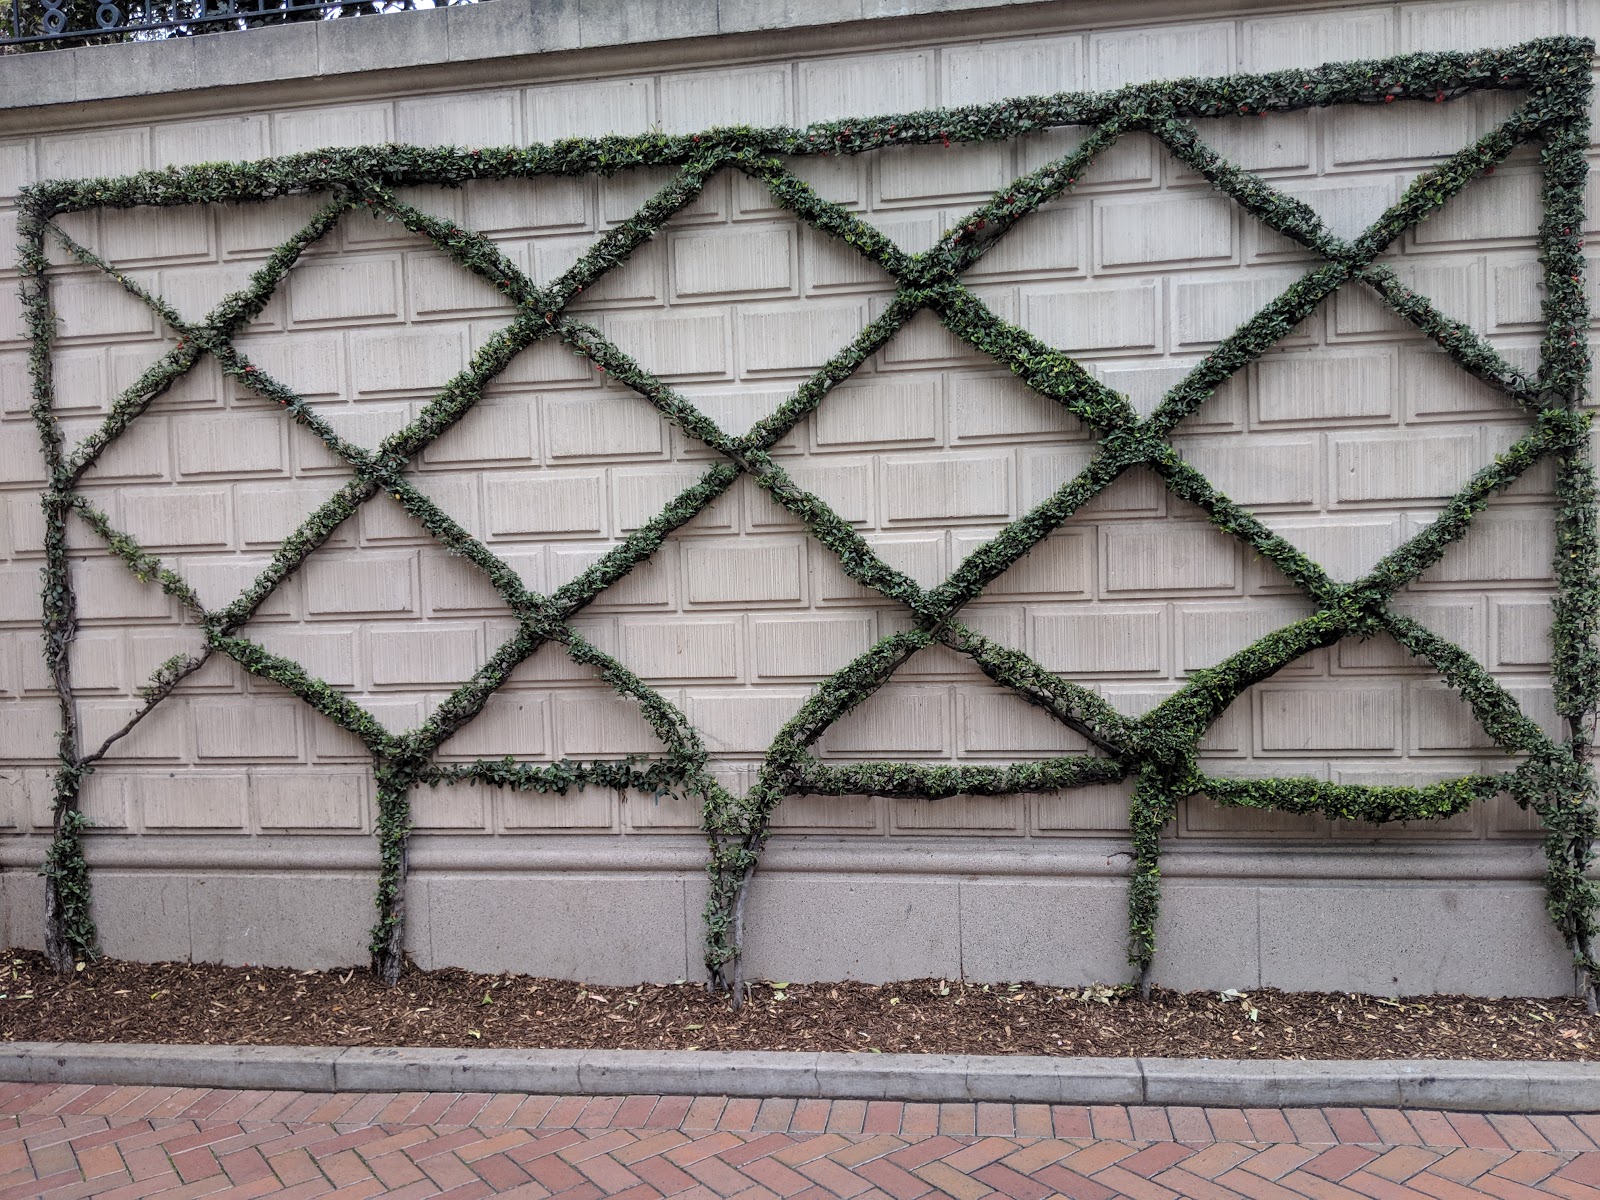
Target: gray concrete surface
(1417, 1083)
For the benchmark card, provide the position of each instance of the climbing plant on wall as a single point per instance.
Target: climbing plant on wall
(1158, 752)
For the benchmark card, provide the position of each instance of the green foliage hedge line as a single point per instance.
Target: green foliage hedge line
(1157, 753)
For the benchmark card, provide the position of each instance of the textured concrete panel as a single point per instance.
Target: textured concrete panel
(609, 929)
(1046, 931)
(1328, 719)
(996, 70)
(301, 920)
(1481, 938)
(308, 800)
(855, 928)
(142, 916)
(191, 799)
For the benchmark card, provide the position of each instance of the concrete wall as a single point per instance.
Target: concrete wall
(236, 824)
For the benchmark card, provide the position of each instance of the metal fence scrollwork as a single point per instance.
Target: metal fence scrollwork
(46, 24)
(1157, 752)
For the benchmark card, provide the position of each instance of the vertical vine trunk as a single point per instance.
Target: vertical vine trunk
(735, 982)
(57, 946)
(394, 837)
(1151, 809)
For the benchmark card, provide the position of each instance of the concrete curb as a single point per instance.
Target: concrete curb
(1460, 1086)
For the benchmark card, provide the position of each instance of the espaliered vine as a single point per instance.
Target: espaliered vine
(1158, 752)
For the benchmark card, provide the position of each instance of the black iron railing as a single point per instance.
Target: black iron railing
(42, 24)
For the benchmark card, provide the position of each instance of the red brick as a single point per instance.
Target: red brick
(669, 1112)
(1229, 1125)
(775, 1114)
(502, 1174)
(456, 1139)
(1401, 1163)
(838, 1180)
(1518, 1131)
(847, 1116)
(1071, 1121)
(531, 1111)
(958, 1120)
(899, 1183)
(719, 1176)
(1378, 1188)
(1152, 1160)
(1309, 1125)
(1528, 1166)
(1189, 1124)
(1149, 1123)
(1434, 1129)
(1111, 1121)
(1392, 1127)
(996, 1120)
(1070, 1183)
(917, 1153)
(662, 1175)
(777, 1177)
(1258, 1188)
(1507, 1189)
(700, 1148)
(1216, 1158)
(547, 1142)
(1268, 1125)
(1569, 1189)
(446, 1170)
(1193, 1187)
(704, 1113)
(1338, 1162)
(883, 1116)
(555, 1174)
(739, 1115)
(919, 1120)
(759, 1147)
(396, 1170)
(94, 1161)
(1467, 1164)
(650, 1145)
(599, 1112)
(89, 1097)
(564, 1113)
(1135, 1186)
(1278, 1159)
(810, 1116)
(1584, 1169)
(1350, 1125)
(1004, 1179)
(1562, 1133)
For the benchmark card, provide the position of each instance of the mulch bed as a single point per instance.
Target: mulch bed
(194, 1002)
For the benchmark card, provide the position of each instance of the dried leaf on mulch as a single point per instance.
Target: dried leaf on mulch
(193, 1002)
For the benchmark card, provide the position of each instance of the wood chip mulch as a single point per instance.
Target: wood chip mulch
(204, 1003)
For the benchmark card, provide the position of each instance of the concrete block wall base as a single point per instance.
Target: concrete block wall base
(1395, 1083)
(1296, 920)
(235, 826)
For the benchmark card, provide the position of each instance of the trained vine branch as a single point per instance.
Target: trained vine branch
(1158, 753)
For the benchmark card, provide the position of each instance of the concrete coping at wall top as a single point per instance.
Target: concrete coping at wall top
(1456, 1085)
(518, 42)
(475, 36)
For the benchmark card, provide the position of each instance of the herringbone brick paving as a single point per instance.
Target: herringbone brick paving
(122, 1143)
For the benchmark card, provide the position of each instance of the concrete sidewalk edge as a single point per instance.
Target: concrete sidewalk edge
(1453, 1084)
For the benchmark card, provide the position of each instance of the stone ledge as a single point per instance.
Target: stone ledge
(1093, 857)
(1457, 1085)
(482, 35)
(518, 42)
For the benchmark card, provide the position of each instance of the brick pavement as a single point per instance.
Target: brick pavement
(122, 1143)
